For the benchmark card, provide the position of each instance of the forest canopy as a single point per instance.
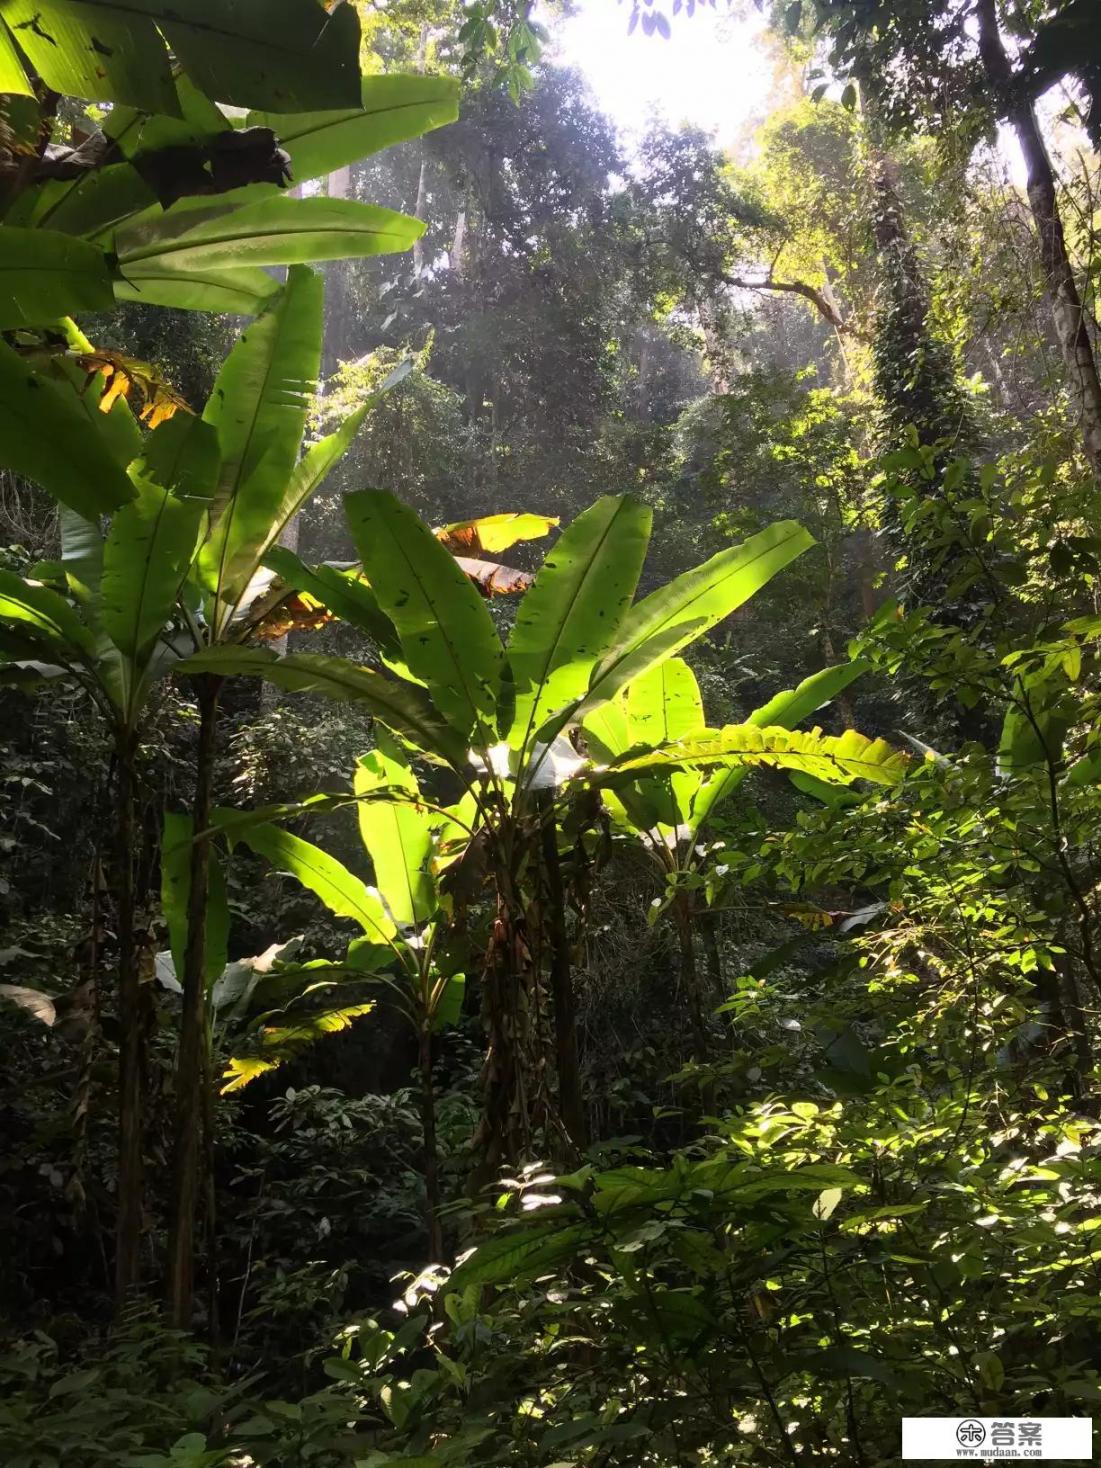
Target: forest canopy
(549, 731)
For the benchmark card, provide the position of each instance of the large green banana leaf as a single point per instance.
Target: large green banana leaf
(92, 203)
(151, 542)
(783, 711)
(574, 609)
(183, 454)
(279, 54)
(267, 504)
(404, 707)
(81, 554)
(605, 685)
(13, 76)
(662, 706)
(392, 109)
(195, 235)
(146, 557)
(339, 889)
(45, 274)
(259, 406)
(42, 613)
(398, 837)
(698, 599)
(793, 705)
(287, 55)
(447, 635)
(245, 291)
(100, 51)
(48, 435)
(838, 758)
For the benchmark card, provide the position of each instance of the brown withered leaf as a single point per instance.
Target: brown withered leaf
(129, 378)
(811, 918)
(493, 579)
(298, 613)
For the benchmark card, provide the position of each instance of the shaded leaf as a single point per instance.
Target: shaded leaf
(447, 635)
(391, 110)
(45, 274)
(519, 1253)
(46, 435)
(405, 707)
(341, 892)
(196, 236)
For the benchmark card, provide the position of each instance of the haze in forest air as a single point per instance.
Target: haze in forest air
(713, 72)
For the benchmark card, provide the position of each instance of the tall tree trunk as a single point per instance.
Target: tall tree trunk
(422, 176)
(916, 377)
(419, 209)
(339, 342)
(191, 1060)
(1070, 318)
(130, 1175)
(458, 244)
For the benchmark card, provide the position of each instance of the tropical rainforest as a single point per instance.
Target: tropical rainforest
(550, 734)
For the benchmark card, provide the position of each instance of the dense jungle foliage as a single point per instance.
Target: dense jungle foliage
(550, 729)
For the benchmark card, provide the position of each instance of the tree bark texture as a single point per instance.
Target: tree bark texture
(571, 1108)
(191, 1061)
(131, 1059)
(1070, 319)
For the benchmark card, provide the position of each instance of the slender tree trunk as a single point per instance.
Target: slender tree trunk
(210, 1212)
(191, 1065)
(916, 377)
(709, 933)
(505, 1127)
(689, 977)
(422, 176)
(1070, 318)
(431, 1149)
(419, 209)
(130, 1175)
(458, 244)
(570, 1104)
(1076, 1025)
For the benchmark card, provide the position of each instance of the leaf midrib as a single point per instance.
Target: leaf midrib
(183, 244)
(547, 669)
(644, 634)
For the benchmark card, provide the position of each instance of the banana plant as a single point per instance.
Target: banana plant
(503, 718)
(178, 568)
(403, 920)
(667, 811)
(105, 620)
